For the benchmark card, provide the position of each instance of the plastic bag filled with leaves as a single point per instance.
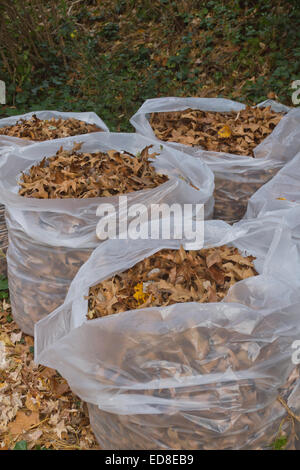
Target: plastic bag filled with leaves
(22, 130)
(280, 197)
(38, 126)
(188, 375)
(243, 146)
(51, 206)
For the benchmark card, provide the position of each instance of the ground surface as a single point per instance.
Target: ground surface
(37, 409)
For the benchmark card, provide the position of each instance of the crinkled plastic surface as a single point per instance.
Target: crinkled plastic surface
(190, 375)
(280, 197)
(237, 177)
(50, 239)
(8, 144)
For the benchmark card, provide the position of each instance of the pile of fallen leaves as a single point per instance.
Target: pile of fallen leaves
(47, 129)
(171, 276)
(71, 174)
(232, 132)
(37, 408)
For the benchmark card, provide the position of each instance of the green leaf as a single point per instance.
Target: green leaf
(21, 445)
(280, 443)
(3, 283)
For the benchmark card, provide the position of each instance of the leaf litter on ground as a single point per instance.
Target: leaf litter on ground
(37, 408)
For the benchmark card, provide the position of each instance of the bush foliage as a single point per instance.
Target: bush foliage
(109, 56)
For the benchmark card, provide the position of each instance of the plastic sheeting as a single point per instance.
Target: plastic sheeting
(8, 144)
(191, 375)
(280, 198)
(237, 177)
(50, 239)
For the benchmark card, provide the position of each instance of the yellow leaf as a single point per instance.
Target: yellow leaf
(139, 295)
(225, 132)
(281, 199)
(4, 338)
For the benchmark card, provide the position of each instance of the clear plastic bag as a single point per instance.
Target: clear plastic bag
(237, 177)
(50, 239)
(7, 142)
(280, 198)
(190, 375)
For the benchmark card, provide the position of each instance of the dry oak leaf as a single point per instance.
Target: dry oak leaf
(214, 258)
(34, 435)
(60, 428)
(23, 422)
(58, 388)
(16, 337)
(31, 403)
(48, 372)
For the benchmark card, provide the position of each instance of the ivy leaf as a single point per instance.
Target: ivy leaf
(280, 443)
(21, 445)
(3, 283)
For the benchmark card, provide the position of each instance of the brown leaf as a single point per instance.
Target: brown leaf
(58, 388)
(32, 403)
(213, 258)
(23, 421)
(217, 275)
(48, 372)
